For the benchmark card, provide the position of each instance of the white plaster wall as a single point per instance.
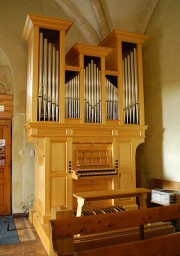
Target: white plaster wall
(12, 19)
(159, 157)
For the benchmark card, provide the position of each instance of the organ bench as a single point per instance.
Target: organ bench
(141, 193)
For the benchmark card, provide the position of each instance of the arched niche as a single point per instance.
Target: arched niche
(6, 75)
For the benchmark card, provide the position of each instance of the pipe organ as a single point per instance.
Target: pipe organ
(84, 115)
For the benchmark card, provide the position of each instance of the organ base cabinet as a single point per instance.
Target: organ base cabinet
(60, 156)
(85, 116)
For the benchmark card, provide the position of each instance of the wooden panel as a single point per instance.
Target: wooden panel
(39, 185)
(126, 179)
(125, 154)
(58, 157)
(91, 184)
(1, 194)
(96, 154)
(58, 191)
(29, 91)
(93, 157)
(1, 174)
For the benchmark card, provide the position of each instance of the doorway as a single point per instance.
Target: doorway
(5, 167)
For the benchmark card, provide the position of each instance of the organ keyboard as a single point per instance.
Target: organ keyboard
(82, 173)
(104, 210)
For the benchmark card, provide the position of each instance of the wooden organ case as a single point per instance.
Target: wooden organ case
(85, 114)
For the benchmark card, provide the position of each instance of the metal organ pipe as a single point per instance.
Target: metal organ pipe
(49, 79)
(92, 96)
(57, 85)
(136, 86)
(111, 100)
(53, 83)
(40, 86)
(48, 87)
(130, 88)
(72, 98)
(86, 112)
(45, 52)
(99, 105)
(92, 93)
(125, 91)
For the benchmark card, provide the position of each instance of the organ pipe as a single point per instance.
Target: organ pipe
(92, 96)
(49, 79)
(111, 100)
(40, 86)
(92, 93)
(53, 82)
(48, 89)
(57, 85)
(136, 87)
(72, 101)
(130, 88)
(48, 86)
(45, 58)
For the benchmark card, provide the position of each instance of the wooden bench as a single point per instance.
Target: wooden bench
(140, 193)
(62, 233)
(165, 184)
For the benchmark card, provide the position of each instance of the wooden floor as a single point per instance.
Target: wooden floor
(29, 245)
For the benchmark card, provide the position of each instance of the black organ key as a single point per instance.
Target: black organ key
(106, 210)
(96, 212)
(118, 209)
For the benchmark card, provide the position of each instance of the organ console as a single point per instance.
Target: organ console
(84, 116)
(93, 161)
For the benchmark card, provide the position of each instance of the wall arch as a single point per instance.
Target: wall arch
(6, 74)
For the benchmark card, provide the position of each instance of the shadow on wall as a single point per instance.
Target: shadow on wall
(149, 159)
(6, 76)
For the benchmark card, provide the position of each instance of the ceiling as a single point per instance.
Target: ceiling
(97, 18)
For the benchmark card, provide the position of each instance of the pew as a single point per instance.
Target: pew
(63, 233)
(166, 184)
